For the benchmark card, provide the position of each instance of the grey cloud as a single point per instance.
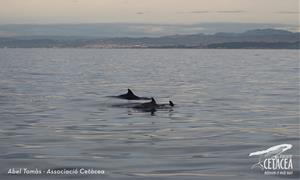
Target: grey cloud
(199, 12)
(193, 12)
(235, 11)
(140, 13)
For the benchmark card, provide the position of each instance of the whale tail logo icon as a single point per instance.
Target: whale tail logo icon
(269, 153)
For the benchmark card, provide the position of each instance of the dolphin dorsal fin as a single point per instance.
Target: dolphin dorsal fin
(171, 103)
(153, 100)
(130, 92)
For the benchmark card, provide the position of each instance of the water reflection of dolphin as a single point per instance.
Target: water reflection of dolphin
(131, 96)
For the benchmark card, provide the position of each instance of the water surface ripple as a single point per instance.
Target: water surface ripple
(55, 113)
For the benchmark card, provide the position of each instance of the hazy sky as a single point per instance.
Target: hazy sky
(149, 11)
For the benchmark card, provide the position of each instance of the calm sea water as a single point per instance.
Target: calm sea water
(55, 113)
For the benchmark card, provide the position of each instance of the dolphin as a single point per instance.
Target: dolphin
(152, 105)
(131, 96)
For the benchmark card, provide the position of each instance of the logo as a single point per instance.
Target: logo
(273, 162)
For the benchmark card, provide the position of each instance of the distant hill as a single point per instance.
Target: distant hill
(267, 32)
(258, 38)
(108, 30)
(256, 45)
